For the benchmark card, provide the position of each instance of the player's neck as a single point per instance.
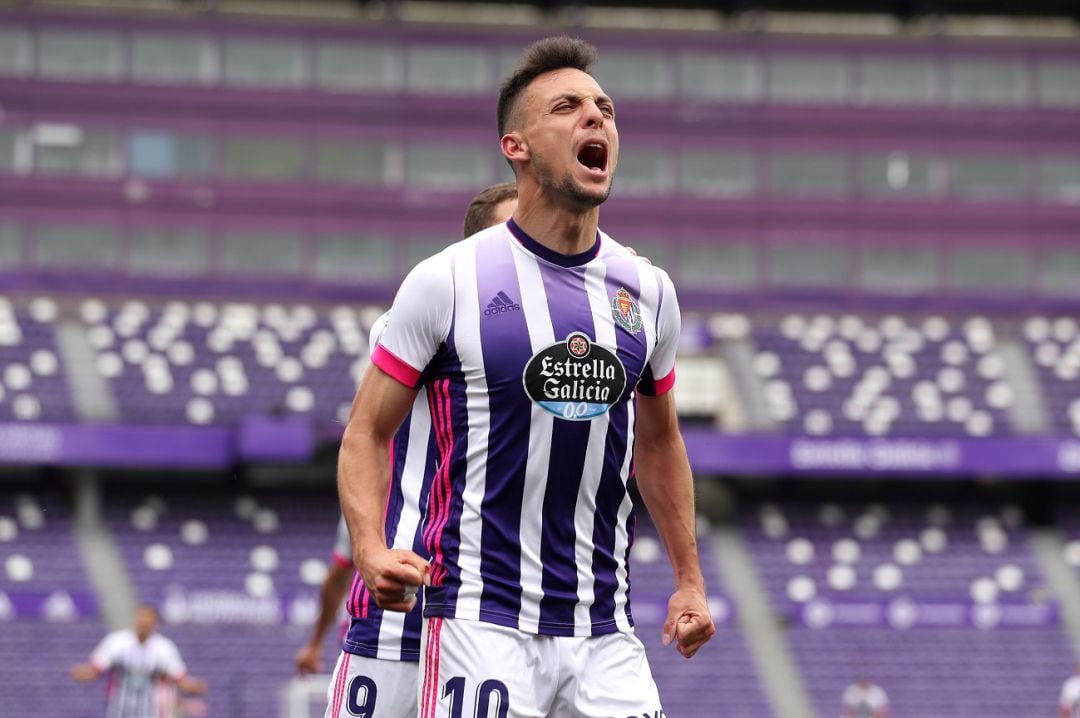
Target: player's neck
(558, 229)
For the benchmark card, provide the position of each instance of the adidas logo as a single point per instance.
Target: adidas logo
(501, 304)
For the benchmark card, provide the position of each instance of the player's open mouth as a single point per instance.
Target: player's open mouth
(593, 157)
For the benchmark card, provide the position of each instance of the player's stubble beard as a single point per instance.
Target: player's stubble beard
(574, 196)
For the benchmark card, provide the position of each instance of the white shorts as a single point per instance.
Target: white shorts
(371, 688)
(473, 669)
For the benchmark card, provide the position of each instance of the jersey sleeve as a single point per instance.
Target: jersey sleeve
(659, 374)
(422, 313)
(342, 553)
(376, 331)
(172, 664)
(105, 655)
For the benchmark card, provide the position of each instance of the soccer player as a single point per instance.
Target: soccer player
(145, 670)
(547, 353)
(863, 699)
(1069, 702)
(376, 673)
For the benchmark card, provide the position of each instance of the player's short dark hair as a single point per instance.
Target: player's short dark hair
(482, 209)
(551, 53)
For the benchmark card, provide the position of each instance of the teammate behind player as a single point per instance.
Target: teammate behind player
(533, 340)
(377, 671)
(145, 668)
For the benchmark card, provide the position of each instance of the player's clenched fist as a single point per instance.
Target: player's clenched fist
(393, 576)
(688, 622)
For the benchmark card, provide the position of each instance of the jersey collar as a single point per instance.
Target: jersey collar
(550, 255)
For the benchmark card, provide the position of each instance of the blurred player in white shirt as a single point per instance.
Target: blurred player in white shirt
(1070, 696)
(863, 699)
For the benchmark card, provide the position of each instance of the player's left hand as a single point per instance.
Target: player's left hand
(688, 623)
(309, 659)
(634, 252)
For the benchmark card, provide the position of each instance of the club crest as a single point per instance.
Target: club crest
(626, 311)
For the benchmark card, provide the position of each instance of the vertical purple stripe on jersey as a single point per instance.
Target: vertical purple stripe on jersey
(631, 532)
(570, 311)
(502, 334)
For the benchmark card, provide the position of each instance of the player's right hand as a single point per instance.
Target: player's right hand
(393, 576)
(309, 659)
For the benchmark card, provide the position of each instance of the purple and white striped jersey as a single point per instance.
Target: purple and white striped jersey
(530, 361)
(375, 633)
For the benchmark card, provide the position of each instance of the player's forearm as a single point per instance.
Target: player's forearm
(363, 481)
(330, 599)
(667, 486)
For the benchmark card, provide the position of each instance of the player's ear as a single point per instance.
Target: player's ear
(514, 147)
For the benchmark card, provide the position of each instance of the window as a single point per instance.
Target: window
(718, 174)
(900, 174)
(723, 78)
(75, 247)
(352, 162)
(67, 149)
(718, 266)
(8, 147)
(76, 55)
(448, 71)
(265, 63)
(1059, 180)
(795, 174)
(896, 81)
(1059, 83)
(353, 67)
(898, 269)
(988, 178)
(996, 270)
(1060, 273)
(447, 167)
(11, 253)
(263, 158)
(174, 59)
(351, 258)
(15, 54)
(634, 75)
(987, 82)
(160, 153)
(808, 265)
(261, 253)
(420, 248)
(169, 252)
(645, 172)
(808, 79)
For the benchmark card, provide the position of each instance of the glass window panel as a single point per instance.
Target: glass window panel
(808, 78)
(897, 81)
(987, 82)
(727, 78)
(357, 68)
(263, 158)
(794, 174)
(261, 253)
(351, 162)
(900, 174)
(507, 60)
(75, 247)
(159, 153)
(990, 269)
(8, 139)
(14, 51)
(11, 253)
(78, 55)
(988, 177)
(349, 258)
(633, 75)
(265, 63)
(447, 167)
(1060, 272)
(171, 59)
(645, 172)
(449, 71)
(808, 265)
(718, 266)
(420, 248)
(1059, 82)
(1059, 180)
(82, 152)
(169, 252)
(898, 269)
(719, 174)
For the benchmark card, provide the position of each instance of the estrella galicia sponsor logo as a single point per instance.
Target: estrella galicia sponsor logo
(626, 311)
(575, 379)
(501, 303)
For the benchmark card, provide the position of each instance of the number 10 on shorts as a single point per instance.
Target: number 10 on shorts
(492, 698)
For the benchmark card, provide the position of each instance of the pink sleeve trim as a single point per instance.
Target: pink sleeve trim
(664, 385)
(341, 560)
(395, 366)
